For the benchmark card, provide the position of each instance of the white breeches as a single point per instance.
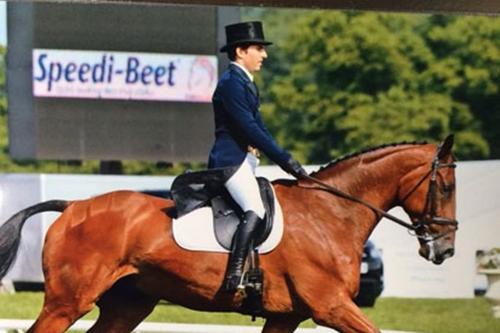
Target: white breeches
(244, 189)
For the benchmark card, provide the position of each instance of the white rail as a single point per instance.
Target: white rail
(149, 327)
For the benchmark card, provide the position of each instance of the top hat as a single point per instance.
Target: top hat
(244, 33)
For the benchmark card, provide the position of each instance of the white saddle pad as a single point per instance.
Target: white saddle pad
(195, 231)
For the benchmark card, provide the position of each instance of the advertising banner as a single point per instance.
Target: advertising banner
(123, 75)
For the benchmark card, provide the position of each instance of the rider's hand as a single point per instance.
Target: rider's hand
(294, 168)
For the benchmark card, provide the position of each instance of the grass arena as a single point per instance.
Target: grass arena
(398, 314)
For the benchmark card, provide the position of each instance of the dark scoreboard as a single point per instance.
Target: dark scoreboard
(113, 82)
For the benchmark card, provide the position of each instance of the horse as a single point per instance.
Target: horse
(117, 251)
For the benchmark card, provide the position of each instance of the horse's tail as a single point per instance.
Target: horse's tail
(10, 231)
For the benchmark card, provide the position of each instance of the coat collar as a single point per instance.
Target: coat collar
(243, 69)
(250, 84)
(238, 70)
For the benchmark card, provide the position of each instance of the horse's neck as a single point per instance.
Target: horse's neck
(373, 177)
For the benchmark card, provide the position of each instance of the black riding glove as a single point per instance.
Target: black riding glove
(294, 168)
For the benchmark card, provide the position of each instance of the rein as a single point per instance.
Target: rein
(345, 195)
(428, 217)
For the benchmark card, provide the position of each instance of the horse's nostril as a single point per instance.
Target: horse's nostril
(440, 258)
(449, 253)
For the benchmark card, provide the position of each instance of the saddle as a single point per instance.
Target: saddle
(194, 190)
(199, 189)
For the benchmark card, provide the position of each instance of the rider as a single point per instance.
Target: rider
(240, 134)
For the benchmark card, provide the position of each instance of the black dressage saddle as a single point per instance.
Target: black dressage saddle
(206, 188)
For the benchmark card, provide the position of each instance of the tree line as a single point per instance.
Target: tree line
(336, 82)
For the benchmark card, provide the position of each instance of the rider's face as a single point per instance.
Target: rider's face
(252, 57)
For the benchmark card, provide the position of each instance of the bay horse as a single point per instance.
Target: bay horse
(116, 250)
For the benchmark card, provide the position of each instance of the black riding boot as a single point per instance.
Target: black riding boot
(239, 250)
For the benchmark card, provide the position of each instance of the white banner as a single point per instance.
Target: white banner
(123, 75)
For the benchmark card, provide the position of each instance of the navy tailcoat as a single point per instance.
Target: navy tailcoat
(238, 123)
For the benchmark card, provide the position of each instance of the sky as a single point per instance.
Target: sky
(3, 23)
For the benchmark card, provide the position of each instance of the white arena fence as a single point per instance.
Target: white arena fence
(150, 327)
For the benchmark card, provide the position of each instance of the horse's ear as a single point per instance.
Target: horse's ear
(445, 146)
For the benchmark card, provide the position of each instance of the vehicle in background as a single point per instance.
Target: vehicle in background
(165, 194)
(372, 276)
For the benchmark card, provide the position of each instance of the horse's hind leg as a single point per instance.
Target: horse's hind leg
(281, 324)
(53, 322)
(122, 308)
(57, 315)
(119, 316)
(72, 287)
(67, 299)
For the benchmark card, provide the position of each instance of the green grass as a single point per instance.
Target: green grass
(419, 315)
(435, 315)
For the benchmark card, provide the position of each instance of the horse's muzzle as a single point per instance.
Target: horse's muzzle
(437, 256)
(448, 253)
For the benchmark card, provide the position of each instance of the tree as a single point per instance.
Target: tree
(3, 90)
(467, 50)
(340, 81)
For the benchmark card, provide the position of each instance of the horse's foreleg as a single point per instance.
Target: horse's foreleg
(345, 317)
(281, 324)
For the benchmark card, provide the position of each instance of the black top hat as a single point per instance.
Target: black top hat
(244, 33)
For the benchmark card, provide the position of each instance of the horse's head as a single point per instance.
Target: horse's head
(427, 194)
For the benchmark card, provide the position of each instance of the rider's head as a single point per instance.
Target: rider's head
(245, 44)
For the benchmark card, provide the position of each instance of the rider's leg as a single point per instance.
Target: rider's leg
(244, 189)
(239, 250)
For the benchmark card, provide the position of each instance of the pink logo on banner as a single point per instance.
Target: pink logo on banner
(202, 77)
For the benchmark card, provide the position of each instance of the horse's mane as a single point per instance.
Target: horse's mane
(364, 151)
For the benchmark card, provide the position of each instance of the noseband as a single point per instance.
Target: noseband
(422, 223)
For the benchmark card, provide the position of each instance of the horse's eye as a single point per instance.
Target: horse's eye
(447, 189)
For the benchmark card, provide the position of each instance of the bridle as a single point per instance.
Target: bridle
(429, 217)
